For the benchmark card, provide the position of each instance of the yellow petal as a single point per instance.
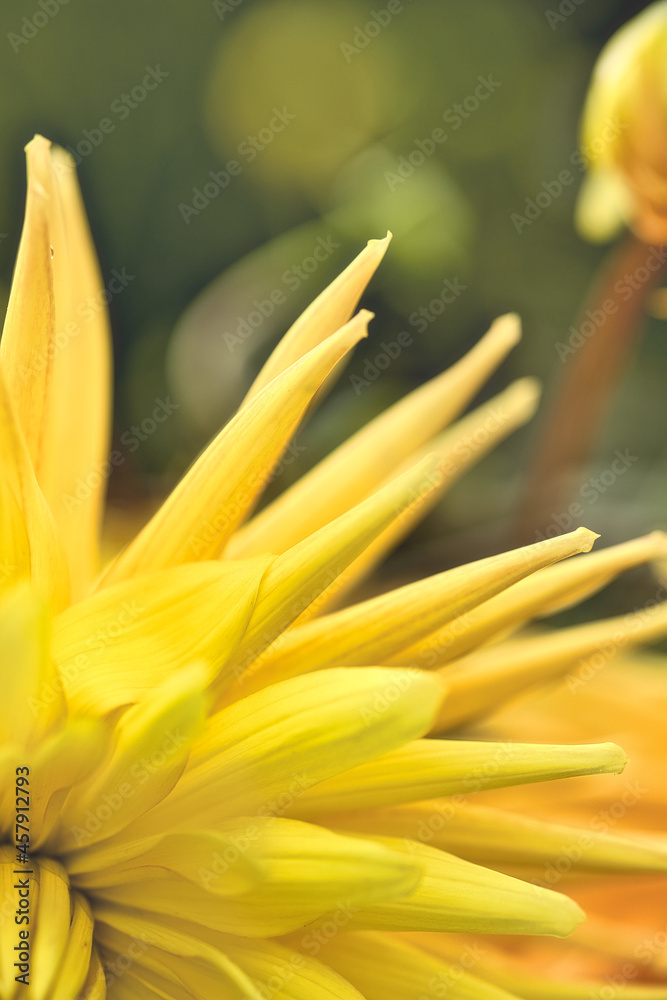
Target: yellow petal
(384, 967)
(48, 562)
(326, 314)
(197, 855)
(547, 592)
(359, 634)
(114, 647)
(459, 447)
(76, 433)
(27, 346)
(499, 838)
(364, 462)
(9, 930)
(14, 544)
(25, 713)
(428, 769)
(454, 895)
(171, 960)
(297, 578)
(94, 987)
(260, 754)
(202, 512)
(65, 759)
(53, 923)
(141, 983)
(478, 683)
(272, 968)
(76, 957)
(288, 974)
(151, 746)
(309, 870)
(55, 354)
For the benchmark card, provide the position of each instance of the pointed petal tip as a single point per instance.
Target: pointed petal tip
(659, 539)
(573, 917)
(364, 315)
(357, 327)
(585, 536)
(507, 328)
(381, 243)
(36, 142)
(525, 394)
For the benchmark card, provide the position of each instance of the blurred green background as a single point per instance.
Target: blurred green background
(324, 107)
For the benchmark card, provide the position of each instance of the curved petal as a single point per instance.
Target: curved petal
(259, 755)
(359, 634)
(550, 590)
(456, 450)
(384, 967)
(48, 562)
(428, 769)
(151, 745)
(326, 314)
(366, 460)
(298, 578)
(309, 870)
(211, 500)
(503, 839)
(113, 647)
(454, 895)
(478, 683)
(55, 355)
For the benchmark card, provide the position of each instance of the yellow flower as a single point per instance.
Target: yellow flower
(624, 133)
(214, 783)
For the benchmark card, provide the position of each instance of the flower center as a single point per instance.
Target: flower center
(47, 928)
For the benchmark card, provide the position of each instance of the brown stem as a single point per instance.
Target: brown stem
(591, 372)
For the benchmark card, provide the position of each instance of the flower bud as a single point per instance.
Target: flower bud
(624, 133)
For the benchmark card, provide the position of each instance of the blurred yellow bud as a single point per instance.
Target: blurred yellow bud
(624, 133)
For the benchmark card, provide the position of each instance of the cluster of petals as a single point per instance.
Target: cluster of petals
(237, 780)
